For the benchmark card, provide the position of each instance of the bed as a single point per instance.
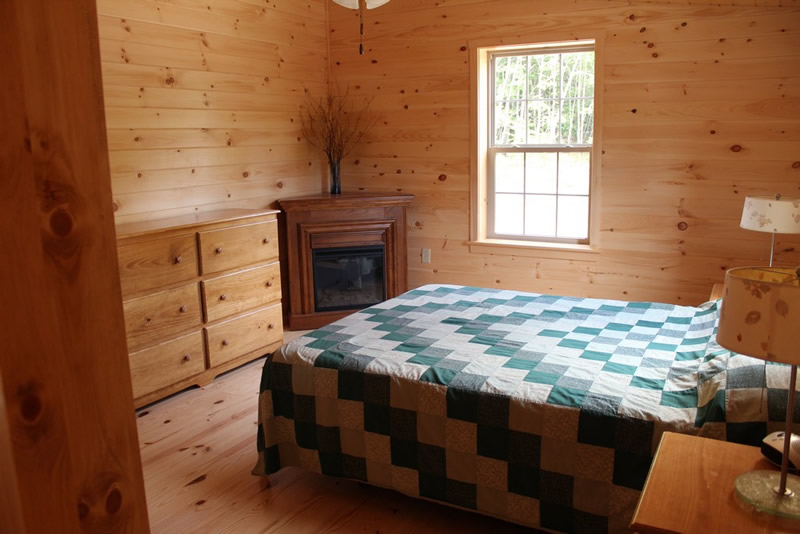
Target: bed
(541, 410)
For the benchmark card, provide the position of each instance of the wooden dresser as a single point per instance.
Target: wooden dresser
(201, 295)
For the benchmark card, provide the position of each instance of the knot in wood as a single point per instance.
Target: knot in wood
(61, 223)
(101, 503)
(31, 407)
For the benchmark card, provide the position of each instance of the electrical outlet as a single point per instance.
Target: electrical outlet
(426, 255)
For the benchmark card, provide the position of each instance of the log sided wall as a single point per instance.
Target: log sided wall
(201, 101)
(701, 107)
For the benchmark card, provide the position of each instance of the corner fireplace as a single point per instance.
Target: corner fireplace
(344, 253)
(348, 278)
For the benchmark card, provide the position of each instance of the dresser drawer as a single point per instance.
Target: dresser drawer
(158, 316)
(234, 338)
(157, 263)
(230, 248)
(235, 293)
(158, 367)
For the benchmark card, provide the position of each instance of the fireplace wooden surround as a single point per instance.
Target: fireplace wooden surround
(349, 220)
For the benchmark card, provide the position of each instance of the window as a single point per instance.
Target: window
(538, 107)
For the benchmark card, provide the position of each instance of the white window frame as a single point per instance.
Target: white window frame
(482, 149)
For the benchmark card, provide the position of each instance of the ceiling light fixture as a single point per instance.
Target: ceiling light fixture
(361, 5)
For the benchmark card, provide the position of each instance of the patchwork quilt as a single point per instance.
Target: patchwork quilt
(542, 410)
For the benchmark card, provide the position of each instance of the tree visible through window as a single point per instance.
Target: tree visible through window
(539, 152)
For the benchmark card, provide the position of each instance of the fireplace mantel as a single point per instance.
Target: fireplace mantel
(328, 221)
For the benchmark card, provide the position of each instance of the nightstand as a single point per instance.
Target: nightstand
(690, 488)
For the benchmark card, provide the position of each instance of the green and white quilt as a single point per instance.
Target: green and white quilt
(542, 410)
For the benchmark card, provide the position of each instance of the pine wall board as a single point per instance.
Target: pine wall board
(700, 107)
(201, 102)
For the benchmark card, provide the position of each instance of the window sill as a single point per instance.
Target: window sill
(540, 249)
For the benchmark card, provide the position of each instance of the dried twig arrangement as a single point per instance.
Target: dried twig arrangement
(335, 124)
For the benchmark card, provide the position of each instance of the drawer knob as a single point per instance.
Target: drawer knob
(178, 259)
(270, 283)
(218, 250)
(187, 357)
(266, 240)
(183, 309)
(270, 326)
(225, 343)
(223, 297)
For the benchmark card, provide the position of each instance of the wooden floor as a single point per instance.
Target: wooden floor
(199, 446)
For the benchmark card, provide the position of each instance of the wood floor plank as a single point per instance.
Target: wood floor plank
(199, 446)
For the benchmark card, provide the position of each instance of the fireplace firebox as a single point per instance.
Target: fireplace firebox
(348, 278)
(344, 253)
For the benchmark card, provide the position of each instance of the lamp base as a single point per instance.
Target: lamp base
(759, 489)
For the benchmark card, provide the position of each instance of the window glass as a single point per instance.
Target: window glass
(573, 216)
(509, 118)
(540, 211)
(509, 173)
(541, 129)
(541, 170)
(543, 122)
(573, 173)
(509, 213)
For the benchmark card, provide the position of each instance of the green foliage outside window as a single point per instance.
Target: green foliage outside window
(544, 99)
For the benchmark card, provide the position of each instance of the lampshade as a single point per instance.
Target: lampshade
(760, 317)
(772, 215)
(760, 313)
(353, 4)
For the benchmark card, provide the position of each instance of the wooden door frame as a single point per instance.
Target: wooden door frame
(69, 452)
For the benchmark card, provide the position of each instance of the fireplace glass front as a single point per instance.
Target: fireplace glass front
(348, 278)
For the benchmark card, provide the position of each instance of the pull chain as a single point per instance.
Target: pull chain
(361, 4)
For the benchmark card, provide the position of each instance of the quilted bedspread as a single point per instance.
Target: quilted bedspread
(542, 410)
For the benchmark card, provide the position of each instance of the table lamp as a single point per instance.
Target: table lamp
(760, 317)
(771, 214)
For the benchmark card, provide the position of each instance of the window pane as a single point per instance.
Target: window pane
(509, 175)
(508, 214)
(543, 104)
(509, 78)
(540, 172)
(509, 123)
(577, 121)
(573, 217)
(543, 122)
(543, 76)
(577, 75)
(573, 173)
(540, 215)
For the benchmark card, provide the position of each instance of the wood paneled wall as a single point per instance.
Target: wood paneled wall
(202, 98)
(701, 107)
